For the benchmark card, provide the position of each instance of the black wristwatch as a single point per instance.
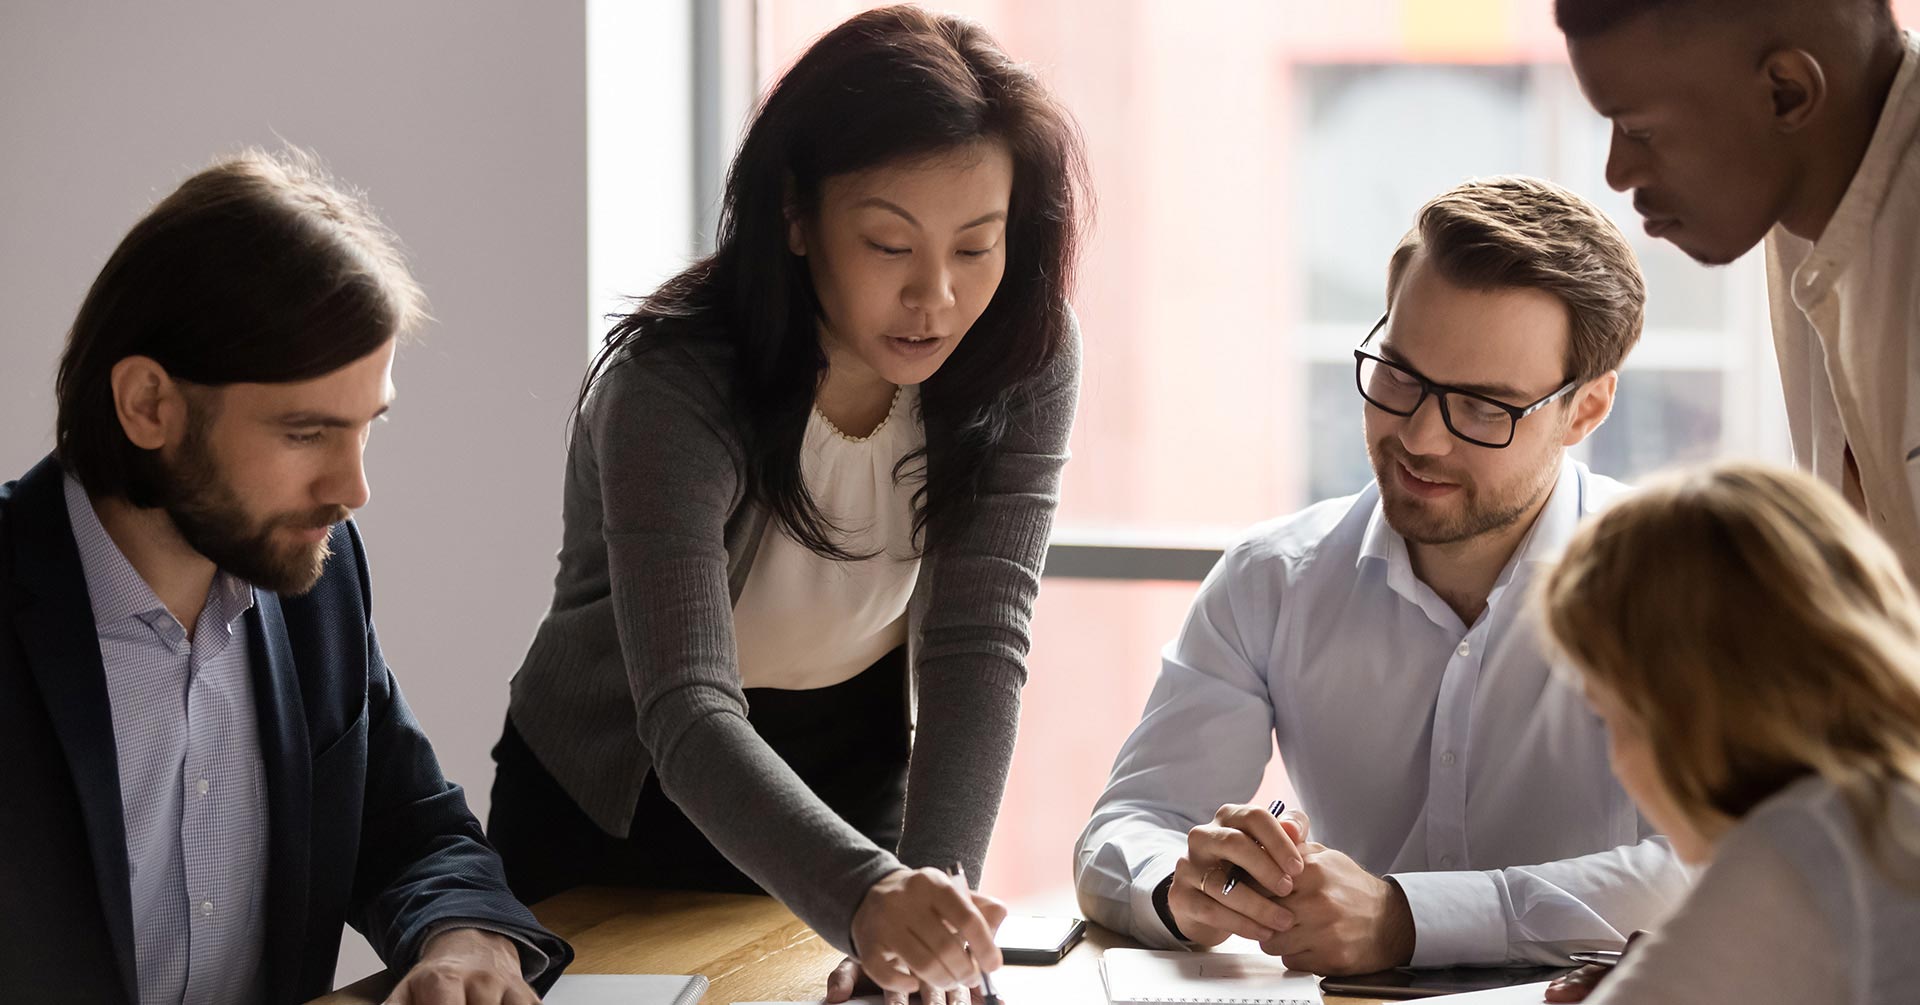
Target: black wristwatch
(1160, 907)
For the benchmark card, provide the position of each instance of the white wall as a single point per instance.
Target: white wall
(466, 122)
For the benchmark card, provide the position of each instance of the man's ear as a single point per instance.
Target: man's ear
(1592, 403)
(150, 404)
(1797, 87)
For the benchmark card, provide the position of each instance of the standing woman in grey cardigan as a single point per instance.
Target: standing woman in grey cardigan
(808, 496)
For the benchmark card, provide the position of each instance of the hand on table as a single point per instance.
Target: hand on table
(1267, 850)
(1576, 986)
(465, 966)
(912, 931)
(1345, 920)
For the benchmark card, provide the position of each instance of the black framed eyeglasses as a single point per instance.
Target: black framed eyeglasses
(1475, 418)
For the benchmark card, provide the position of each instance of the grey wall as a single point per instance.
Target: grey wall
(465, 120)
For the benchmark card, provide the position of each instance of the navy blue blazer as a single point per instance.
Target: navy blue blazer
(362, 827)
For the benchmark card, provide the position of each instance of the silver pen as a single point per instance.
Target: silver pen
(1234, 874)
(986, 981)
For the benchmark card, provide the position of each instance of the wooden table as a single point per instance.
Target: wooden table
(751, 948)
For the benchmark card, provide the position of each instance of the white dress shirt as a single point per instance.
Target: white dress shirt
(1846, 311)
(1798, 906)
(806, 621)
(1448, 756)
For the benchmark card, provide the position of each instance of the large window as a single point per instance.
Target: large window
(1255, 163)
(1374, 139)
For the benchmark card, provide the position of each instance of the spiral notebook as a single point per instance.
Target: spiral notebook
(626, 989)
(1141, 977)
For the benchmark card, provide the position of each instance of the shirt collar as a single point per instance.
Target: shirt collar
(1557, 521)
(1848, 232)
(117, 590)
(1381, 540)
(1545, 540)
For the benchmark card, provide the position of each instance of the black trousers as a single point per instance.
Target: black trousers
(848, 742)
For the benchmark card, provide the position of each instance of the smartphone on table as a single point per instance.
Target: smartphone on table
(1038, 941)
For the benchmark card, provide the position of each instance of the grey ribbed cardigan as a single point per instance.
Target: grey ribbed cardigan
(633, 668)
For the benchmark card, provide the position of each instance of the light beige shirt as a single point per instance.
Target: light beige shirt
(1845, 314)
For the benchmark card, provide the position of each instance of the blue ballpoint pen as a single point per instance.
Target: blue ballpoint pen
(1234, 874)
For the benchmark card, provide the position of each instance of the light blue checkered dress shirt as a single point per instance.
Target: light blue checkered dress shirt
(193, 791)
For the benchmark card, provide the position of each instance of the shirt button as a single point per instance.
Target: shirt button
(1447, 758)
(1464, 650)
(206, 909)
(201, 786)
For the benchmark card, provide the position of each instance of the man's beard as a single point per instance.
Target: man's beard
(1472, 516)
(210, 518)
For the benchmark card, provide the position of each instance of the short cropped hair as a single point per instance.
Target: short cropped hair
(1587, 18)
(259, 269)
(1518, 232)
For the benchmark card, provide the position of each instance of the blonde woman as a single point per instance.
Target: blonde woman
(1755, 652)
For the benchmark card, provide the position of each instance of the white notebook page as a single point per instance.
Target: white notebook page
(625, 989)
(1141, 976)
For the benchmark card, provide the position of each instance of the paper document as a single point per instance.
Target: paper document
(626, 989)
(1138, 976)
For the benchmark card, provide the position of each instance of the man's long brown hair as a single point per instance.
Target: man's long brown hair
(259, 269)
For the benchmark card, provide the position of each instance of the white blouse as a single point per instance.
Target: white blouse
(806, 621)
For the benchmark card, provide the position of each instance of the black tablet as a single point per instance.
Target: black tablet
(1409, 982)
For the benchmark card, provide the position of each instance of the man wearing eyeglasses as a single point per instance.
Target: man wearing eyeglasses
(1462, 808)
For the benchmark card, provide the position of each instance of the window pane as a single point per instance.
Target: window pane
(1661, 418)
(1370, 139)
(1096, 651)
(1338, 464)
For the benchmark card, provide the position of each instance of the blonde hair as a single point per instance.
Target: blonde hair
(1516, 231)
(1757, 630)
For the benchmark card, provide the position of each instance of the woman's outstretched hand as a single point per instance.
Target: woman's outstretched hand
(912, 932)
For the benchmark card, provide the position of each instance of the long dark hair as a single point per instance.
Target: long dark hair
(888, 85)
